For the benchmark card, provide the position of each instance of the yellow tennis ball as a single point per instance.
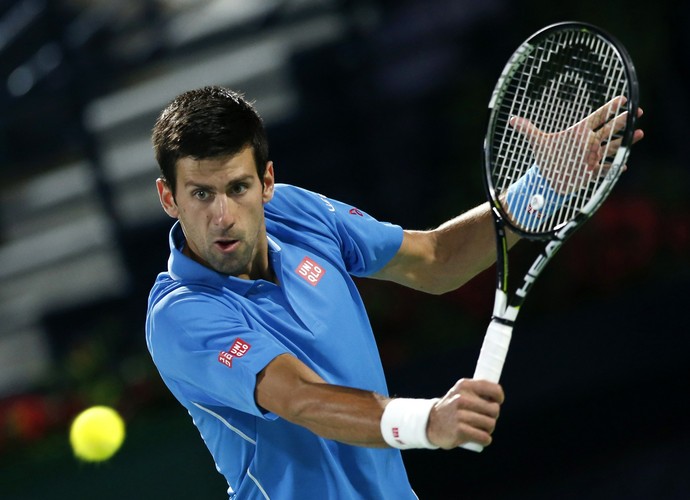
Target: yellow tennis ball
(97, 433)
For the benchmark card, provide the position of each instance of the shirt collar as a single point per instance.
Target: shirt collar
(182, 268)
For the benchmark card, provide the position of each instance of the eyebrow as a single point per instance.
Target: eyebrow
(207, 187)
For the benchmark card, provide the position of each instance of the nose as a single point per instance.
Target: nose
(222, 215)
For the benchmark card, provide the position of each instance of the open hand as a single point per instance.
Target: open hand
(570, 157)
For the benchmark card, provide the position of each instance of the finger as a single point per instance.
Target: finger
(469, 427)
(613, 127)
(617, 124)
(467, 420)
(638, 135)
(475, 404)
(611, 147)
(466, 433)
(525, 127)
(487, 391)
(601, 115)
(605, 167)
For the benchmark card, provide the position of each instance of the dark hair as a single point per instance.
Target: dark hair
(209, 122)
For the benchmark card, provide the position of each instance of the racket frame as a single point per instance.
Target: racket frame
(506, 307)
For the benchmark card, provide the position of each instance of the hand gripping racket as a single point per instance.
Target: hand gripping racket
(562, 118)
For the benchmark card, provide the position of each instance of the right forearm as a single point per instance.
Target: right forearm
(342, 414)
(294, 392)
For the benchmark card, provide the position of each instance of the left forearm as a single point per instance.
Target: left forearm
(445, 258)
(465, 247)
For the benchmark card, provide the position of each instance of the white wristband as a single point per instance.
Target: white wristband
(403, 424)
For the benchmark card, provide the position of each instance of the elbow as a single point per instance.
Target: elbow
(300, 404)
(442, 290)
(438, 285)
(441, 287)
(296, 410)
(287, 388)
(443, 276)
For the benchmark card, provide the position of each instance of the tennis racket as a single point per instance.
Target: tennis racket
(562, 120)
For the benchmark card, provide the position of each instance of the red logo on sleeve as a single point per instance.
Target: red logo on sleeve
(238, 349)
(310, 271)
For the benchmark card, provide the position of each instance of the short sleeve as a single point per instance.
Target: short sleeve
(367, 244)
(207, 351)
(364, 244)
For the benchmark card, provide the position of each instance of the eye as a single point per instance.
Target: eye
(239, 188)
(201, 195)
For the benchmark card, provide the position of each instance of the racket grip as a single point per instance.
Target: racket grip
(491, 359)
(493, 352)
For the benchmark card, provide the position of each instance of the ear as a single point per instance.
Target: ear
(166, 198)
(269, 183)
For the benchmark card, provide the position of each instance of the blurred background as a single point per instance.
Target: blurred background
(381, 104)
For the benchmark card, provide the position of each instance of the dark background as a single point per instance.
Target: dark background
(385, 109)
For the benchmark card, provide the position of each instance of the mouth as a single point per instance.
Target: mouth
(226, 246)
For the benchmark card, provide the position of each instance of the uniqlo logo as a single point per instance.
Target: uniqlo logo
(225, 358)
(238, 349)
(310, 271)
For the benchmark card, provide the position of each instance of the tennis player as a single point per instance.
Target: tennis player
(258, 329)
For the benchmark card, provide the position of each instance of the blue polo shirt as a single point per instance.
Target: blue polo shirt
(210, 335)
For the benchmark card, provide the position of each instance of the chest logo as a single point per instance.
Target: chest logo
(310, 271)
(238, 349)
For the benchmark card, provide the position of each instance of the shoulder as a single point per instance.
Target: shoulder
(190, 308)
(187, 300)
(299, 201)
(298, 215)
(186, 317)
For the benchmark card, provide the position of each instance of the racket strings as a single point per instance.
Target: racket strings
(592, 179)
(575, 150)
(561, 103)
(559, 114)
(589, 180)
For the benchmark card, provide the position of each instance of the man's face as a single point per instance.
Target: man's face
(219, 203)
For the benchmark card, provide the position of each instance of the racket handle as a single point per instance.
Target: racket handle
(494, 351)
(491, 359)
